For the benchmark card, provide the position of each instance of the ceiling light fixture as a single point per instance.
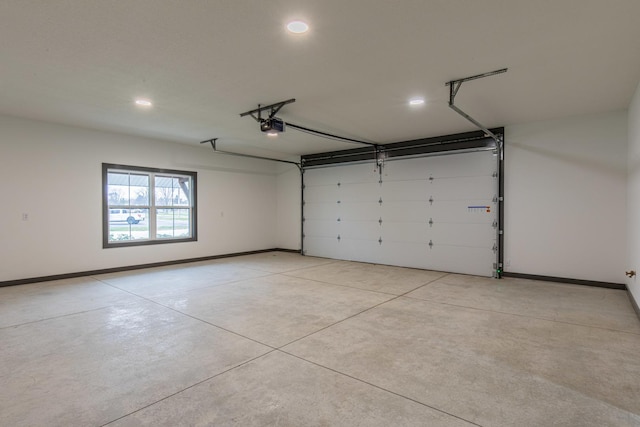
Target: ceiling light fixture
(143, 102)
(272, 134)
(416, 101)
(297, 27)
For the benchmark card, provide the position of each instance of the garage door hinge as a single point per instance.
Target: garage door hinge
(495, 174)
(430, 222)
(495, 224)
(380, 221)
(380, 240)
(338, 238)
(430, 244)
(339, 220)
(380, 201)
(431, 178)
(495, 199)
(338, 184)
(495, 248)
(431, 200)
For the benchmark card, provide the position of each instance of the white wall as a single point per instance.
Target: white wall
(289, 199)
(633, 195)
(53, 173)
(565, 197)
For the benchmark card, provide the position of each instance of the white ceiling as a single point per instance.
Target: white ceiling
(82, 62)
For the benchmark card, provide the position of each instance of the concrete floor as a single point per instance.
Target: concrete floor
(283, 340)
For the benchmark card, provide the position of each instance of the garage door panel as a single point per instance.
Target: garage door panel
(460, 164)
(408, 254)
(356, 173)
(478, 261)
(362, 192)
(472, 235)
(360, 211)
(406, 169)
(320, 177)
(409, 211)
(409, 232)
(321, 211)
(462, 211)
(324, 247)
(321, 228)
(362, 250)
(475, 163)
(460, 188)
(321, 194)
(447, 201)
(360, 230)
(405, 189)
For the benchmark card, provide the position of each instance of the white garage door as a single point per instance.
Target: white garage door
(436, 213)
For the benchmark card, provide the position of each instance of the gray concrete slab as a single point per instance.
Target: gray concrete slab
(45, 300)
(486, 367)
(275, 309)
(586, 305)
(180, 278)
(146, 348)
(371, 277)
(93, 367)
(275, 262)
(281, 390)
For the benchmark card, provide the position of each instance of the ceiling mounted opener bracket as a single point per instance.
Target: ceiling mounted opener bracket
(213, 142)
(454, 87)
(273, 110)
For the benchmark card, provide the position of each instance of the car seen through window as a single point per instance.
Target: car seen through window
(126, 215)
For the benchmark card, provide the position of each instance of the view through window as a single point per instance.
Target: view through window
(145, 205)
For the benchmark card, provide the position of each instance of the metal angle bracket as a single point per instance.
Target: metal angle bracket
(274, 108)
(454, 87)
(214, 141)
(381, 156)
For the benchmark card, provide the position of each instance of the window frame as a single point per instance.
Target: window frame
(151, 172)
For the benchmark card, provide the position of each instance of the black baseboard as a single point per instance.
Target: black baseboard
(135, 267)
(634, 303)
(292, 251)
(609, 285)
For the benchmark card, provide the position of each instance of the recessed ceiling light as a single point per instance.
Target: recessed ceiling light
(143, 102)
(416, 101)
(297, 27)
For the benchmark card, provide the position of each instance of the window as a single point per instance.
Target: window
(143, 206)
